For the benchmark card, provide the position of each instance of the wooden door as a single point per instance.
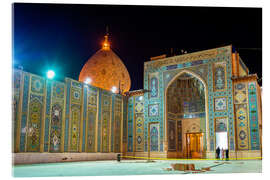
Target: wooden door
(194, 145)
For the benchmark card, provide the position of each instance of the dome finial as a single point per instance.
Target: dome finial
(106, 44)
(107, 30)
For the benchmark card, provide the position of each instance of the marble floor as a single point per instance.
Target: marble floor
(132, 167)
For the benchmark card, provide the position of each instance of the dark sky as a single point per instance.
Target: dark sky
(63, 37)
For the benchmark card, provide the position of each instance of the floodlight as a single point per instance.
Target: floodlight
(50, 74)
(88, 80)
(114, 89)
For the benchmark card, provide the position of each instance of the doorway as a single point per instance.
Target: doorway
(222, 140)
(194, 144)
(186, 116)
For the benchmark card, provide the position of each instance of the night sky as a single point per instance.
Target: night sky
(63, 37)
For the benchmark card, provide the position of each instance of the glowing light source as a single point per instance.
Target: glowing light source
(88, 80)
(114, 89)
(141, 98)
(50, 74)
(106, 44)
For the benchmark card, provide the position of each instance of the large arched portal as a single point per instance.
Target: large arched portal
(186, 116)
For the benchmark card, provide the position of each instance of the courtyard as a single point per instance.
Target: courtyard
(133, 167)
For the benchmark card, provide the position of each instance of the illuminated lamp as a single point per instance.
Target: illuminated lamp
(88, 80)
(114, 89)
(50, 74)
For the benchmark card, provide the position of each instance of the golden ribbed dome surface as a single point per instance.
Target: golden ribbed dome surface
(106, 70)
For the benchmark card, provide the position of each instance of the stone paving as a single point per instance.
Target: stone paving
(133, 167)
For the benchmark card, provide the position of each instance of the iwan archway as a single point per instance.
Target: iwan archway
(186, 116)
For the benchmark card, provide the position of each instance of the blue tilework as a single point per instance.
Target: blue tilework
(24, 111)
(253, 115)
(67, 115)
(47, 119)
(112, 123)
(84, 115)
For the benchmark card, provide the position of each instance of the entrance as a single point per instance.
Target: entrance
(194, 145)
(186, 116)
(222, 140)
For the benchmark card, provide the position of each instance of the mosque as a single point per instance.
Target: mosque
(190, 105)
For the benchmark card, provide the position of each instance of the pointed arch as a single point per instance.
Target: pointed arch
(165, 118)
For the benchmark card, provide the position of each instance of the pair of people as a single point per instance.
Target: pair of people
(222, 153)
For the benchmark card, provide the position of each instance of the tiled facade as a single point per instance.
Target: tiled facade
(51, 116)
(213, 68)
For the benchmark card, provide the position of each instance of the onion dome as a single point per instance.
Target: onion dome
(106, 70)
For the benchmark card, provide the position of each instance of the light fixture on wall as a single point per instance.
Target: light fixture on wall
(114, 89)
(88, 80)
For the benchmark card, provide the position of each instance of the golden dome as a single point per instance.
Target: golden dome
(106, 70)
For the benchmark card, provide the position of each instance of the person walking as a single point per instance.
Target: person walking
(217, 152)
(227, 154)
(223, 152)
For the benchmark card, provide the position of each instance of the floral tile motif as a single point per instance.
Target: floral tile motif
(139, 106)
(221, 124)
(154, 137)
(219, 77)
(37, 84)
(220, 104)
(58, 90)
(153, 110)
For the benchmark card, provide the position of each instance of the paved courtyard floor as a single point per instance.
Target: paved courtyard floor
(132, 167)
